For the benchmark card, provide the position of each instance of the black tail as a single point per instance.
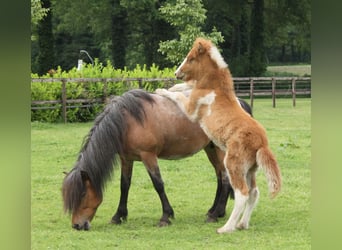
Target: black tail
(102, 145)
(245, 106)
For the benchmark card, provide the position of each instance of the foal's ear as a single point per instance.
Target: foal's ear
(84, 175)
(201, 48)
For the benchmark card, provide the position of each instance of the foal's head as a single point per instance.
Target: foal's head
(202, 58)
(80, 199)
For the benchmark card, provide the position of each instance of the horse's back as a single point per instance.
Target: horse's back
(166, 131)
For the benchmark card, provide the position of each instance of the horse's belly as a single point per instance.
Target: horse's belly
(182, 146)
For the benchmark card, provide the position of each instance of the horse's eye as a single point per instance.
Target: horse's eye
(191, 60)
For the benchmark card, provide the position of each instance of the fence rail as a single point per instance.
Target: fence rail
(244, 87)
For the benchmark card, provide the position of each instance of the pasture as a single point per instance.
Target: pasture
(297, 70)
(282, 223)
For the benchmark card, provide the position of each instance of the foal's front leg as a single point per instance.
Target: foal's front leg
(179, 98)
(190, 106)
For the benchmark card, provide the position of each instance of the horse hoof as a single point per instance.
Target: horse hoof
(211, 219)
(117, 221)
(163, 223)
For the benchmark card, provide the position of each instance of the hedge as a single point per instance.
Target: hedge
(51, 91)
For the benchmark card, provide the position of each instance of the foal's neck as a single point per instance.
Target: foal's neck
(221, 80)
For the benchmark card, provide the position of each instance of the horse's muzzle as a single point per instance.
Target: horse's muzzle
(85, 226)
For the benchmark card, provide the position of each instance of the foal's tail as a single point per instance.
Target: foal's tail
(266, 160)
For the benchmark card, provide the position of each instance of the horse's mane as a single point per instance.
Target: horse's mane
(101, 146)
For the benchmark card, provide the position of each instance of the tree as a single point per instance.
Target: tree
(257, 55)
(187, 17)
(37, 11)
(140, 19)
(288, 30)
(45, 41)
(118, 34)
(129, 32)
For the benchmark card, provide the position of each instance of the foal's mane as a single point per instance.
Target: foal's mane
(102, 145)
(220, 75)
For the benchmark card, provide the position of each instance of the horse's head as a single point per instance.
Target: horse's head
(80, 199)
(202, 57)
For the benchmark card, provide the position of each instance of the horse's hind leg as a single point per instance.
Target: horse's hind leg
(151, 164)
(224, 189)
(126, 176)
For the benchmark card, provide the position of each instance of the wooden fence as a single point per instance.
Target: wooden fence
(244, 87)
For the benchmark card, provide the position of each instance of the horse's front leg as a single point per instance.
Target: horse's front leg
(126, 176)
(151, 164)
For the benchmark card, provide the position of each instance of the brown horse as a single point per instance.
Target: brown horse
(212, 103)
(137, 126)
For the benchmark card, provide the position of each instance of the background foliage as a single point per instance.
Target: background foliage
(250, 34)
(82, 90)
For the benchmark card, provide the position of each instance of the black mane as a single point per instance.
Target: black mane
(102, 145)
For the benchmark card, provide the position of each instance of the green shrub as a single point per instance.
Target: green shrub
(89, 90)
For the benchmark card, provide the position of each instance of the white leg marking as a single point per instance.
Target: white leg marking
(239, 205)
(251, 203)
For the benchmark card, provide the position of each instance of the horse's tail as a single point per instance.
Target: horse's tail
(266, 160)
(103, 144)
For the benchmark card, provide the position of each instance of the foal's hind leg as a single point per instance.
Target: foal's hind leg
(224, 189)
(251, 202)
(151, 164)
(126, 176)
(237, 179)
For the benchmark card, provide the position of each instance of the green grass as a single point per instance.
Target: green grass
(281, 223)
(296, 70)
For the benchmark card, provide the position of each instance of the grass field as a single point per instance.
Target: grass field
(281, 223)
(297, 70)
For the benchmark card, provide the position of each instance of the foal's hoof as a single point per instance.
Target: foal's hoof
(223, 230)
(242, 226)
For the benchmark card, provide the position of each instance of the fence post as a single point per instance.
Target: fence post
(294, 92)
(251, 90)
(105, 90)
(273, 92)
(140, 83)
(64, 99)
